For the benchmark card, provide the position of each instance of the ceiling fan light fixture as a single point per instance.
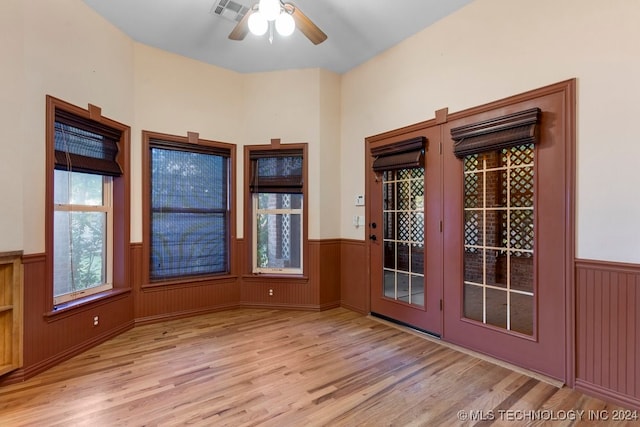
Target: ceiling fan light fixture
(269, 9)
(285, 25)
(257, 24)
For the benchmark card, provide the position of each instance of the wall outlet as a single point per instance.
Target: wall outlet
(96, 319)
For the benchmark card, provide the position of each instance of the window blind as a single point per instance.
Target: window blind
(403, 155)
(189, 213)
(494, 134)
(84, 145)
(276, 171)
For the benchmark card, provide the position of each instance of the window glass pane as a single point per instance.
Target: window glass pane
(473, 302)
(279, 166)
(389, 284)
(402, 256)
(472, 193)
(77, 188)
(473, 229)
(390, 255)
(279, 240)
(417, 258)
(522, 231)
(279, 201)
(521, 189)
(499, 238)
(522, 273)
(522, 313)
(183, 180)
(496, 307)
(496, 268)
(185, 244)
(402, 286)
(389, 225)
(473, 266)
(189, 214)
(78, 251)
(495, 191)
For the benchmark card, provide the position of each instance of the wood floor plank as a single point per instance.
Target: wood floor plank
(260, 367)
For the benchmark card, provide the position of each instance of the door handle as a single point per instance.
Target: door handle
(373, 237)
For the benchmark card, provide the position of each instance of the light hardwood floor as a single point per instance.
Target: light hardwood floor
(283, 368)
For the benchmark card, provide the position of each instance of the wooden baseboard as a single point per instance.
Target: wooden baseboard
(607, 394)
(272, 306)
(181, 314)
(32, 370)
(353, 308)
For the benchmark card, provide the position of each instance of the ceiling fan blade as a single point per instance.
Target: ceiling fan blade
(304, 24)
(241, 29)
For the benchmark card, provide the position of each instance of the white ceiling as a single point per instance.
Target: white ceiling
(357, 30)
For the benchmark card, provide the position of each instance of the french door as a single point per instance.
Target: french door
(404, 229)
(475, 244)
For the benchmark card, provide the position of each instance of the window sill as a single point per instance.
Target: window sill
(70, 307)
(292, 278)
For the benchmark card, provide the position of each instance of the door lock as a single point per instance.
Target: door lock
(373, 237)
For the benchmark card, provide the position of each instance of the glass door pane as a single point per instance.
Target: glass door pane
(403, 231)
(498, 238)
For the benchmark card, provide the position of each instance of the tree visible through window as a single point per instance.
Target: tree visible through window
(82, 229)
(84, 151)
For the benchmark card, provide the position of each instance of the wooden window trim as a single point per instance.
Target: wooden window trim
(264, 150)
(120, 199)
(191, 142)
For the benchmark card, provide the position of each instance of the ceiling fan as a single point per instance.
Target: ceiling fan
(285, 17)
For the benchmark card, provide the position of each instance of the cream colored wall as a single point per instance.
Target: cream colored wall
(329, 157)
(66, 50)
(176, 95)
(492, 49)
(287, 105)
(11, 107)
(62, 49)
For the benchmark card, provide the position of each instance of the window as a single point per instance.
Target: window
(499, 236)
(82, 233)
(188, 210)
(499, 215)
(87, 194)
(276, 191)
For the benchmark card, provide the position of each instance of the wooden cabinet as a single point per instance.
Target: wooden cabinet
(10, 311)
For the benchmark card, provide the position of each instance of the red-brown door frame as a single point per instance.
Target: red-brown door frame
(566, 119)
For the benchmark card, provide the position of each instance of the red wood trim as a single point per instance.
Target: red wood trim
(41, 366)
(608, 330)
(95, 113)
(193, 137)
(607, 265)
(248, 238)
(182, 314)
(34, 258)
(70, 308)
(11, 254)
(147, 136)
